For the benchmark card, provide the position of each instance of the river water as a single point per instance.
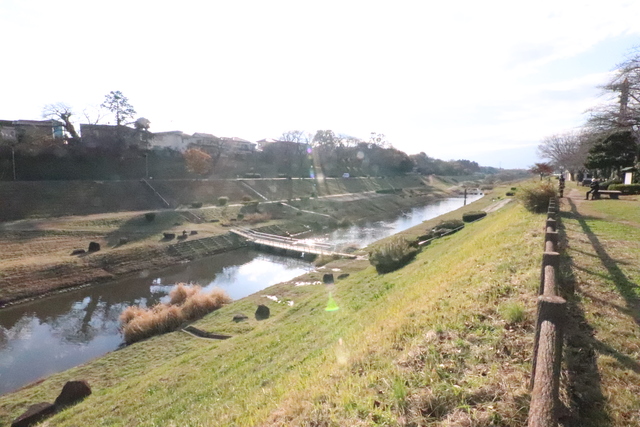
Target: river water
(52, 334)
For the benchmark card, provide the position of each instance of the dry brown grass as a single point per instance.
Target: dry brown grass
(181, 292)
(187, 303)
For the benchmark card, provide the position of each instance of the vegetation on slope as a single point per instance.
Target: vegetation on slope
(424, 344)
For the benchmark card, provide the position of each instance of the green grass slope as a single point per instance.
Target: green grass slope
(436, 343)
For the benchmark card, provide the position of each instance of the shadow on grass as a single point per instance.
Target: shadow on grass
(587, 404)
(625, 286)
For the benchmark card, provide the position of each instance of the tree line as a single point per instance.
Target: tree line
(608, 140)
(295, 153)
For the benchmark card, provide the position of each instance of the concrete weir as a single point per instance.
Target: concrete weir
(287, 245)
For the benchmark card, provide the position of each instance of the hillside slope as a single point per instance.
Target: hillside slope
(432, 343)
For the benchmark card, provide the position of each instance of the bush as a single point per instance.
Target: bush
(626, 188)
(513, 188)
(535, 197)
(473, 216)
(510, 194)
(150, 216)
(187, 303)
(443, 228)
(450, 224)
(196, 204)
(240, 217)
(246, 198)
(606, 184)
(222, 201)
(392, 255)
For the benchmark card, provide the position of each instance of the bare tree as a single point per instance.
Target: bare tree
(298, 136)
(622, 109)
(61, 111)
(568, 150)
(93, 114)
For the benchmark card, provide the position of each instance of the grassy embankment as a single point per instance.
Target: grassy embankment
(35, 253)
(443, 340)
(602, 263)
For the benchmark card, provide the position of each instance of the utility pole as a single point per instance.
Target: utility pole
(13, 161)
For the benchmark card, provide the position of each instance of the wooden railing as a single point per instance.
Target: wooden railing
(547, 353)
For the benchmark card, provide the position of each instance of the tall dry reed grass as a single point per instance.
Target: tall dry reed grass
(187, 303)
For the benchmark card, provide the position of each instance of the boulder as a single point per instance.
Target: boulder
(72, 393)
(239, 317)
(169, 236)
(262, 312)
(94, 246)
(328, 278)
(193, 232)
(34, 414)
(78, 251)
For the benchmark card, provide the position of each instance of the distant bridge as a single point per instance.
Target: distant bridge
(288, 243)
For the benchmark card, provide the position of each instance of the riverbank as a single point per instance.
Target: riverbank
(423, 341)
(36, 257)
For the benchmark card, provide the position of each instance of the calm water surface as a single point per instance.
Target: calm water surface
(53, 334)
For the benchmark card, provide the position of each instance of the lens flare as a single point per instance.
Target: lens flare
(331, 305)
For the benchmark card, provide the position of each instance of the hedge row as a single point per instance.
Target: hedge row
(626, 188)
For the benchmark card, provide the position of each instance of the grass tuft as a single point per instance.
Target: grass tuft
(513, 312)
(187, 303)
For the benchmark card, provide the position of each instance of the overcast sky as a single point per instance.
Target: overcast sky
(481, 80)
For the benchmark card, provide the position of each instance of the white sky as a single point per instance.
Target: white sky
(481, 80)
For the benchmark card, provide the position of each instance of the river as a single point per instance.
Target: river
(55, 333)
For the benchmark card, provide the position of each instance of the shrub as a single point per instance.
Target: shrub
(246, 198)
(510, 194)
(450, 224)
(181, 292)
(626, 188)
(606, 184)
(240, 217)
(535, 197)
(473, 216)
(150, 216)
(513, 188)
(392, 254)
(324, 259)
(187, 303)
(222, 200)
(196, 204)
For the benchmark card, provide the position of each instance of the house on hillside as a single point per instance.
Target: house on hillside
(172, 140)
(111, 137)
(206, 142)
(234, 145)
(24, 130)
(264, 142)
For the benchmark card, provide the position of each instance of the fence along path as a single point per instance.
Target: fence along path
(547, 352)
(288, 243)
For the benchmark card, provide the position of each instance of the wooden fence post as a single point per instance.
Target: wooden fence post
(543, 411)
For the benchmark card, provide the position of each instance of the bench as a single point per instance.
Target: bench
(612, 194)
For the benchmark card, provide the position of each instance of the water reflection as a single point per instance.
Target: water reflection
(56, 333)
